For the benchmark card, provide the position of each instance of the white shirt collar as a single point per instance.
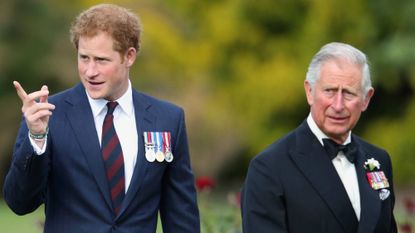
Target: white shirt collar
(319, 134)
(125, 102)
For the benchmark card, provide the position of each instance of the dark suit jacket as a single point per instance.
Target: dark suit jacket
(292, 186)
(70, 179)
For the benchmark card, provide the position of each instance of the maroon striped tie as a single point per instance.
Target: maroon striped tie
(113, 158)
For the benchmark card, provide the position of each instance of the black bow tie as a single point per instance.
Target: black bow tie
(333, 149)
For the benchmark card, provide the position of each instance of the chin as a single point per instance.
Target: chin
(339, 133)
(337, 129)
(94, 95)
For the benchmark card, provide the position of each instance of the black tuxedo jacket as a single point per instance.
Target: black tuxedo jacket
(292, 186)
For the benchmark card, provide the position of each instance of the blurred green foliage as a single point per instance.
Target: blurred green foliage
(236, 66)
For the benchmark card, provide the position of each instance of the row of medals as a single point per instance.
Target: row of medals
(160, 156)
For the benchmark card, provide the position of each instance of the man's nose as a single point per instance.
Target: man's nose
(338, 102)
(91, 69)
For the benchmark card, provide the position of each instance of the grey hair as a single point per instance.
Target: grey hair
(336, 50)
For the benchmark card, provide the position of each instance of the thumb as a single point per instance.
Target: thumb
(44, 99)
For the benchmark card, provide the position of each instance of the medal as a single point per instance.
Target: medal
(166, 143)
(150, 156)
(384, 194)
(149, 147)
(168, 156)
(377, 180)
(160, 156)
(159, 145)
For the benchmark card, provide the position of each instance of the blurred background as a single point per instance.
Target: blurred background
(237, 68)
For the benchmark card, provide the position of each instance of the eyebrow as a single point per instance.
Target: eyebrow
(344, 89)
(93, 56)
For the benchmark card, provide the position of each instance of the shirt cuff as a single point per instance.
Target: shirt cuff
(36, 148)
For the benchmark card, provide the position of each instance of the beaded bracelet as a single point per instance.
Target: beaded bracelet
(40, 136)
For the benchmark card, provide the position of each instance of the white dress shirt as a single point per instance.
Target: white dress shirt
(345, 169)
(125, 126)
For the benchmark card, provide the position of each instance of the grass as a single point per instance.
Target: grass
(219, 215)
(12, 223)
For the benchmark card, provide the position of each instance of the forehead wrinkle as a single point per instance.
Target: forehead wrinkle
(336, 73)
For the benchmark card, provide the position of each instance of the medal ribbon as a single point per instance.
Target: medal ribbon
(166, 141)
(159, 139)
(147, 138)
(154, 141)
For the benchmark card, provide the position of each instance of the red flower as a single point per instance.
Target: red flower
(204, 183)
(406, 228)
(409, 205)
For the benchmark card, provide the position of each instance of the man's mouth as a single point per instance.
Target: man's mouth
(95, 83)
(337, 119)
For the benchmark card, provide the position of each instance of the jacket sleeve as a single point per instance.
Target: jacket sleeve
(393, 226)
(178, 208)
(26, 180)
(263, 207)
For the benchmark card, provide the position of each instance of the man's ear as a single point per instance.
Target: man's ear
(367, 98)
(309, 92)
(130, 56)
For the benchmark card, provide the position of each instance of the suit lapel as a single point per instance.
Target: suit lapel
(144, 120)
(80, 116)
(369, 198)
(311, 159)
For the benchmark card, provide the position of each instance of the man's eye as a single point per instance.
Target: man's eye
(99, 59)
(348, 95)
(329, 91)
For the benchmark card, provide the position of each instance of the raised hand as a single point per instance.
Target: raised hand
(36, 113)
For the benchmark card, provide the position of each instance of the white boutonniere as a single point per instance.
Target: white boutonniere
(371, 164)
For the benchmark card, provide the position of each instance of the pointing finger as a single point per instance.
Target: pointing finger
(20, 91)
